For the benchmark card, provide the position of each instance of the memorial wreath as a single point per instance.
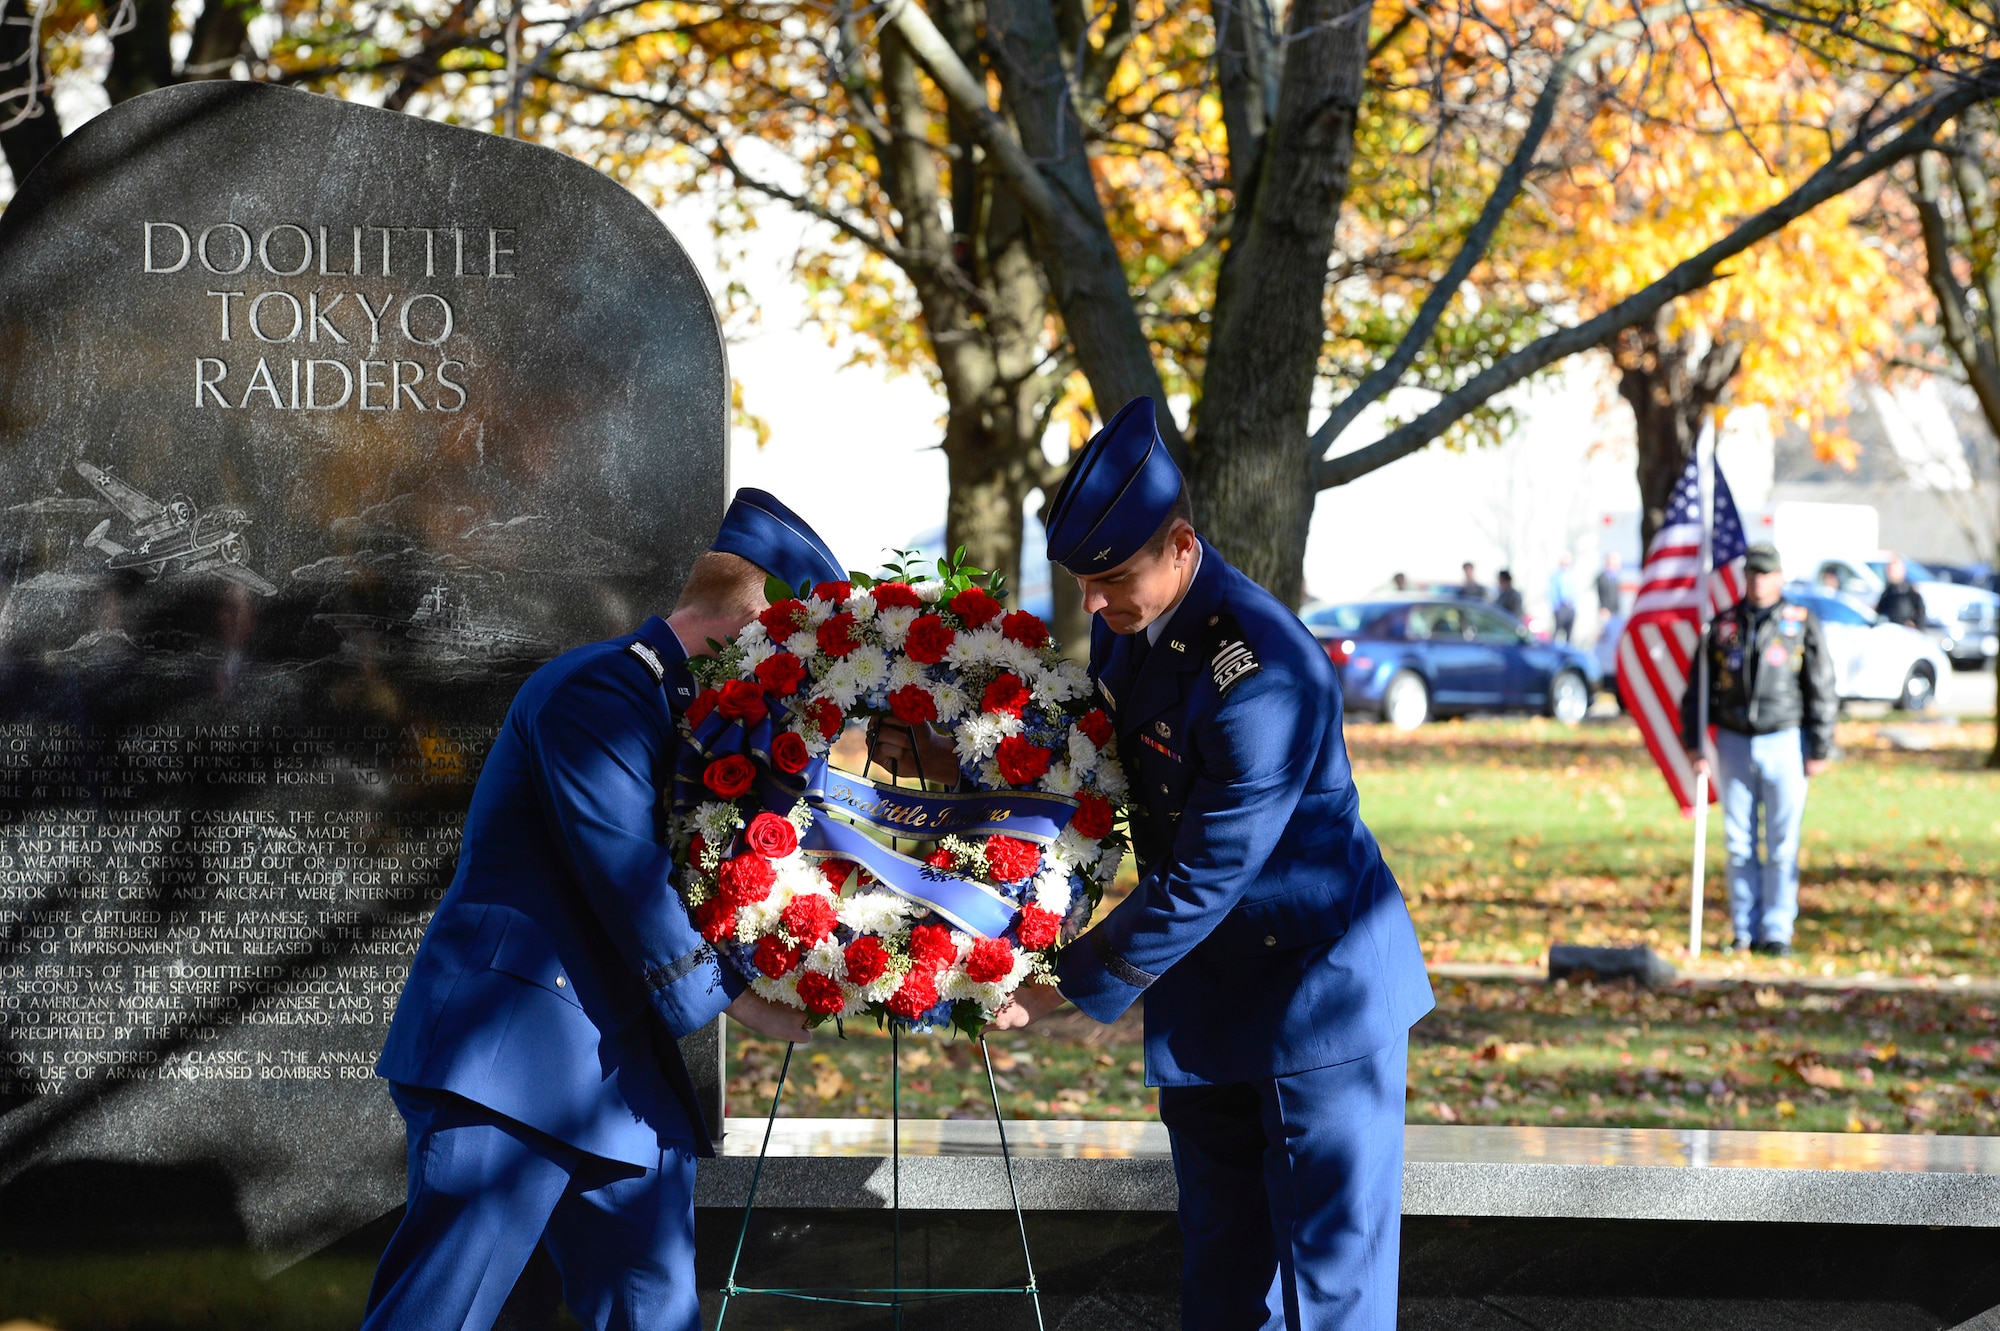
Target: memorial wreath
(796, 870)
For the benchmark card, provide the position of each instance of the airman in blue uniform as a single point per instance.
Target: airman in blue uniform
(1268, 941)
(533, 1049)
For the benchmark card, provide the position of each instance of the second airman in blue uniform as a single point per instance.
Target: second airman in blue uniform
(1267, 940)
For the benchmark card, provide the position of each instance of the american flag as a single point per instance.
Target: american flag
(1656, 654)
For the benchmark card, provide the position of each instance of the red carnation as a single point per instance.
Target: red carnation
(697, 847)
(772, 836)
(867, 961)
(1007, 695)
(1021, 762)
(821, 993)
(744, 880)
(931, 945)
(895, 596)
(781, 620)
(774, 958)
(833, 591)
(913, 704)
(703, 704)
(915, 996)
(974, 608)
(837, 872)
(1026, 629)
(808, 918)
(825, 713)
(1092, 817)
(1096, 726)
(940, 859)
(929, 639)
(836, 636)
(781, 674)
(1010, 859)
(715, 920)
(788, 751)
(729, 777)
(992, 959)
(743, 700)
(1039, 927)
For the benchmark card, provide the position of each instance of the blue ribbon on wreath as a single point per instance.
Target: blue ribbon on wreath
(834, 796)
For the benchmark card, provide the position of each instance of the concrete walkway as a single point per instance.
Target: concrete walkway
(1717, 978)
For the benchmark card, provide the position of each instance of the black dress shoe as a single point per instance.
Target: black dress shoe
(1772, 949)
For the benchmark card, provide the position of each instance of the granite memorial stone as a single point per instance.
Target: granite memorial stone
(322, 426)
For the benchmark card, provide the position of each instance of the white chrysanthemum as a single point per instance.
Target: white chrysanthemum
(883, 989)
(1072, 677)
(904, 672)
(803, 644)
(1108, 862)
(1082, 751)
(979, 647)
(760, 917)
(796, 876)
(827, 958)
(715, 821)
(1071, 848)
(817, 611)
(840, 685)
(1052, 890)
(870, 666)
(894, 625)
(951, 702)
(1110, 776)
(880, 913)
(1060, 780)
(978, 736)
(955, 985)
(861, 605)
(930, 590)
(991, 776)
(751, 632)
(784, 990)
(755, 654)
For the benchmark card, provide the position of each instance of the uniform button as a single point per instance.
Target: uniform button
(1163, 787)
(560, 982)
(1270, 940)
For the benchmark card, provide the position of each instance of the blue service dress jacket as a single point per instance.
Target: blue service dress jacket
(561, 966)
(1266, 934)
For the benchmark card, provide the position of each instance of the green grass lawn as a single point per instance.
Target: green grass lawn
(1508, 835)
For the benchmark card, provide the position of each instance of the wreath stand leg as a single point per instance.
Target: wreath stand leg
(895, 1295)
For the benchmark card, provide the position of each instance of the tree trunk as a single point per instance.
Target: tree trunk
(1252, 477)
(30, 141)
(142, 57)
(1670, 383)
(217, 41)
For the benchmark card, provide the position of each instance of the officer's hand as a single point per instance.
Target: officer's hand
(1814, 766)
(912, 750)
(1698, 763)
(773, 1020)
(1031, 1002)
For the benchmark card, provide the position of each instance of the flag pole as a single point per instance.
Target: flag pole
(1704, 450)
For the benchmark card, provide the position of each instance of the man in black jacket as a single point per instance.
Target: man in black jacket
(1901, 603)
(1772, 702)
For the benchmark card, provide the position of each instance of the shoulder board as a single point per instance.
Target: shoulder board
(1231, 661)
(648, 658)
(1796, 612)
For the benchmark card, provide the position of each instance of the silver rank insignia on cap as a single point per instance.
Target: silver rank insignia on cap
(650, 659)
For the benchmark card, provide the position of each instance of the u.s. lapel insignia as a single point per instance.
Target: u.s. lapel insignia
(1177, 644)
(1166, 731)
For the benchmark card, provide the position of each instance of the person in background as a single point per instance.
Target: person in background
(1471, 589)
(1562, 597)
(1829, 581)
(1508, 598)
(1400, 581)
(1901, 603)
(1771, 700)
(1609, 592)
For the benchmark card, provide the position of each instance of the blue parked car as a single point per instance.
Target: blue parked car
(1411, 659)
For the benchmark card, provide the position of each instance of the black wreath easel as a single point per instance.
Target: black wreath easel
(894, 1296)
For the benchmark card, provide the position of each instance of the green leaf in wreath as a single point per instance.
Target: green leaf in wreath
(775, 590)
(860, 580)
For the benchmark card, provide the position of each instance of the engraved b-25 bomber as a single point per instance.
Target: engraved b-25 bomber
(174, 537)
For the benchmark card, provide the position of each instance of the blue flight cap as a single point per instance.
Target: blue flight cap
(1120, 489)
(775, 539)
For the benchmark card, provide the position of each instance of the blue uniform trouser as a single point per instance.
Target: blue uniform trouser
(484, 1190)
(1762, 774)
(1291, 1197)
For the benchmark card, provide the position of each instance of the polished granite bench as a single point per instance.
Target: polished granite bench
(1503, 1227)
